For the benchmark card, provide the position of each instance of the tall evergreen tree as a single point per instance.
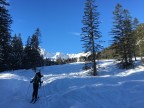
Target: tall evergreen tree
(128, 37)
(135, 25)
(36, 58)
(27, 54)
(117, 30)
(90, 31)
(5, 36)
(35, 41)
(122, 36)
(17, 52)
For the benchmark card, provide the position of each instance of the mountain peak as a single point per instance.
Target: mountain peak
(57, 55)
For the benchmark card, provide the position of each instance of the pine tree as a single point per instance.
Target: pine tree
(36, 58)
(17, 52)
(5, 36)
(135, 23)
(135, 26)
(27, 54)
(117, 31)
(128, 38)
(35, 41)
(90, 31)
(122, 36)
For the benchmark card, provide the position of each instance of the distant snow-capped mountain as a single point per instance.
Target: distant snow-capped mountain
(57, 55)
(60, 55)
(46, 54)
(78, 55)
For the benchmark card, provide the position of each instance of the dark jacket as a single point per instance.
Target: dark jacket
(36, 80)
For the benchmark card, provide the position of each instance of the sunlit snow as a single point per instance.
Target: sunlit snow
(68, 86)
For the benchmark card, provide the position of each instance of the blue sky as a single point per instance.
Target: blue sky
(60, 21)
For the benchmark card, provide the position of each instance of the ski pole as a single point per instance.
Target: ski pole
(27, 90)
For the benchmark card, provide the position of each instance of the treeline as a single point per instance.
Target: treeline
(128, 38)
(13, 53)
(138, 33)
(49, 62)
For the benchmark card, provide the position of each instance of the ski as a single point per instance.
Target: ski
(34, 100)
(31, 100)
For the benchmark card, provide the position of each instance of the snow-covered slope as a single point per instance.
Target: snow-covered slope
(68, 86)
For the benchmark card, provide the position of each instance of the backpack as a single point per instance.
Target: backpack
(36, 79)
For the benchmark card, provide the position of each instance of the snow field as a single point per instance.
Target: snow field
(68, 86)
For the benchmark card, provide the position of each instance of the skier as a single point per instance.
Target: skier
(36, 81)
(40, 75)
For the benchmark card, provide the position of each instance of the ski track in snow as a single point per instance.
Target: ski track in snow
(68, 86)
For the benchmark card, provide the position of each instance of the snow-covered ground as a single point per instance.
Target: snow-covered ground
(68, 86)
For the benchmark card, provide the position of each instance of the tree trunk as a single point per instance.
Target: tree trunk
(95, 65)
(94, 57)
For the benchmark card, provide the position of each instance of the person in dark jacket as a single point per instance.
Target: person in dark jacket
(40, 75)
(36, 81)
